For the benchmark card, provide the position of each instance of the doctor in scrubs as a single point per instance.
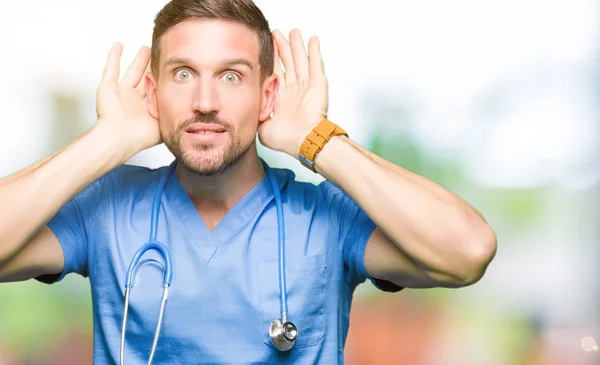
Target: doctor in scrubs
(218, 78)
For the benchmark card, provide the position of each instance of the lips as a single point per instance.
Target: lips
(203, 128)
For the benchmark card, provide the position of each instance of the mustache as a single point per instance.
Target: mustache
(205, 119)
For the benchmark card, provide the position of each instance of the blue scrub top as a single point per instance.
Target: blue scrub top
(225, 288)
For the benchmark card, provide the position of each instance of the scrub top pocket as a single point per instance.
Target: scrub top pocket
(306, 293)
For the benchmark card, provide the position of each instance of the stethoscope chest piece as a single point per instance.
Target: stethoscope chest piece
(283, 334)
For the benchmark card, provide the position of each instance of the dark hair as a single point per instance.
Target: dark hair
(240, 11)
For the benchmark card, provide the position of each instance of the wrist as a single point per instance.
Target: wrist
(294, 147)
(316, 140)
(115, 140)
(332, 148)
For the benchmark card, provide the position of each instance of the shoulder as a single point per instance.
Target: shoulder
(128, 180)
(135, 175)
(305, 191)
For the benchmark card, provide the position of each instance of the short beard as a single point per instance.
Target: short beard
(217, 164)
(229, 159)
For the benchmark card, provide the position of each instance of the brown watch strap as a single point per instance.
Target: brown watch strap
(316, 140)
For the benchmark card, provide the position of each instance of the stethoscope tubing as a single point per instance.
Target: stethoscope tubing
(154, 244)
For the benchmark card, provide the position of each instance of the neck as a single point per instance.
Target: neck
(214, 196)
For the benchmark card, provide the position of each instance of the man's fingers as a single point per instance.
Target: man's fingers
(137, 69)
(285, 53)
(299, 55)
(277, 70)
(141, 86)
(317, 68)
(112, 68)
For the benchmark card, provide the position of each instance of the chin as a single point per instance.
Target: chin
(212, 162)
(209, 159)
(207, 163)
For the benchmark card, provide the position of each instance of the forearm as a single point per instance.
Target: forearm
(426, 183)
(428, 223)
(32, 196)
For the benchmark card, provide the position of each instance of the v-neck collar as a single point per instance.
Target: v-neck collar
(235, 219)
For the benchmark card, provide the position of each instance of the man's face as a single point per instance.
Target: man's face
(208, 96)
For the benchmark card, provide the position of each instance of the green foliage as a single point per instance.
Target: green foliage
(37, 314)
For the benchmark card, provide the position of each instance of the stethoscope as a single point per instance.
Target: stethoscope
(283, 333)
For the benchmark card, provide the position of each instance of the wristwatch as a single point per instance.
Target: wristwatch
(316, 140)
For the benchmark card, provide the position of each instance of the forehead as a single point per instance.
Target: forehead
(209, 40)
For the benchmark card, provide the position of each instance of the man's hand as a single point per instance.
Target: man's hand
(121, 105)
(302, 98)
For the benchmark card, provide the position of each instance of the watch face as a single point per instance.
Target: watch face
(305, 161)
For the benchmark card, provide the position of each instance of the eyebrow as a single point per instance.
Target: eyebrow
(176, 61)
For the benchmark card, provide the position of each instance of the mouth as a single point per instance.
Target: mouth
(205, 129)
(205, 132)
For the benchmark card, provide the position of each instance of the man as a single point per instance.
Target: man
(213, 85)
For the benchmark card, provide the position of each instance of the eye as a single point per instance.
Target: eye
(183, 75)
(231, 77)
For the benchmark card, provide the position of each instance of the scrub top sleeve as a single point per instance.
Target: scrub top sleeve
(71, 225)
(354, 230)
(355, 244)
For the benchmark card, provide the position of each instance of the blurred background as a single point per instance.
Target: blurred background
(496, 100)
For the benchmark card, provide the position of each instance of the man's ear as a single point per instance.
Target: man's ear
(151, 102)
(267, 104)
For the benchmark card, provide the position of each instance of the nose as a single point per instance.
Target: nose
(206, 99)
